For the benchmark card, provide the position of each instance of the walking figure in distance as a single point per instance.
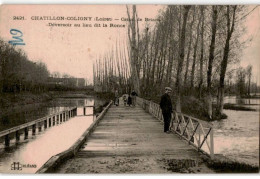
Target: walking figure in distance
(129, 100)
(166, 106)
(116, 99)
(134, 94)
(125, 99)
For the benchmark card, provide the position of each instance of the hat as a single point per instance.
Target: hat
(168, 88)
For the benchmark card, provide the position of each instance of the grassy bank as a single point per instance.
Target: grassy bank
(255, 96)
(16, 109)
(104, 98)
(222, 164)
(189, 105)
(236, 107)
(10, 101)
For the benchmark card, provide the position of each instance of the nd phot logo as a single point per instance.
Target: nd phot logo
(19, 166)
(16, 166)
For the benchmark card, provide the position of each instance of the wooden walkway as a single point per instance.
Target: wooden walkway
(129, 140)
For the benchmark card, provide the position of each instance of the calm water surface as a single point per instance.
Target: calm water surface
(237, 137)
(36, 150)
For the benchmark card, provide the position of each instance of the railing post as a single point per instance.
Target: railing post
(17, 135)
(39, 127)
(57, 118)
(211, 143)
(33, 129)
(26, 133)
(50, 122)
(61, 118)
(45, 123)
(7, 140)
(199, 139)
(53, 120)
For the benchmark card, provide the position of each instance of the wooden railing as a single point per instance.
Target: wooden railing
(196, 132)
(46, 122)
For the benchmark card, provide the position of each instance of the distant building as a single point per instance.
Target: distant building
(68, 82)
(81, 82)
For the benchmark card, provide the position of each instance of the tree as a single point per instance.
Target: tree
(133, 35)
(211, 56)
(241, 79)
(249, 75)
(201, 51)
(230, 21)
(181, 57)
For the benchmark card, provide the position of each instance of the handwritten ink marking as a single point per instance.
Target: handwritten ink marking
(17, 36)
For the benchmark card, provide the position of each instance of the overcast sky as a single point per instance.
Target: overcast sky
(73, 49)
(251, 55)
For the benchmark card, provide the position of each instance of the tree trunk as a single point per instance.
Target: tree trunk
(134, 49)
(230, 29)
(194, 57)
(211, 57)
(189, 50)
(181, 58)
(201, 52)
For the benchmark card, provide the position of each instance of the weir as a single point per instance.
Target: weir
(45, 121)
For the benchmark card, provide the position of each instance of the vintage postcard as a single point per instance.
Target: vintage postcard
(129, 89)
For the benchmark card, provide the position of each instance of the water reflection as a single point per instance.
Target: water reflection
(237, 136)
(36, 150)
(241, 101)
(23, 115)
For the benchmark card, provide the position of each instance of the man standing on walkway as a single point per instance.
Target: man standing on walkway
(166, 106)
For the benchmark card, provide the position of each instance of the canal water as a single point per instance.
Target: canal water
(33, 152)
(237, 137)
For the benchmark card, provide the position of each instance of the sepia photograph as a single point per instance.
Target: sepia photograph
(129, 89)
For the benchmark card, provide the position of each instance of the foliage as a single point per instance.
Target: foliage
(18, 73)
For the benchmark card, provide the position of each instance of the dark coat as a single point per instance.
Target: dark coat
(134, 93)
(166, 103)
(129, 100)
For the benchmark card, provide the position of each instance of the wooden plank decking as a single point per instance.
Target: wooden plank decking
(129, 140)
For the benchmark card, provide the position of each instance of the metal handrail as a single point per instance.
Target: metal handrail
(196, 132)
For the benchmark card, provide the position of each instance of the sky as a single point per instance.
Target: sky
(69, 50)
(72, 50)
(251, 55)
